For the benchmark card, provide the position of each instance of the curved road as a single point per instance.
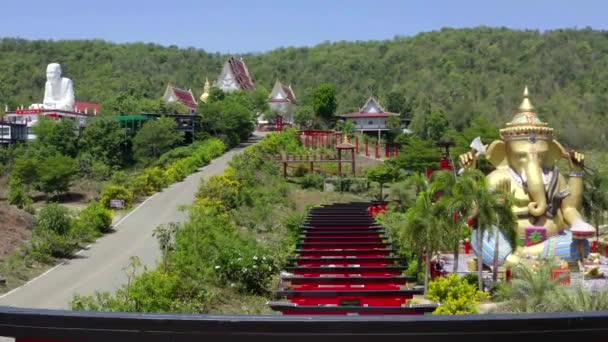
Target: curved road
(100, 267)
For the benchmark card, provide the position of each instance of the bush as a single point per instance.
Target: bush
(246, 271)
(456, 295)
(151, 180)
(17, 193)
(221, 188)
(116, 192)
(51, 237)
(54, 218)
(313, 181)
(180, 169)
(301, 170)
(97, 217)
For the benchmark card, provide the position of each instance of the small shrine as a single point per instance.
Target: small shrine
(175, 94)
(370, 118)
(282, 101)
(235, 76)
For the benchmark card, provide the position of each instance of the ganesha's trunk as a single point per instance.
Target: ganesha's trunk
(536, 188)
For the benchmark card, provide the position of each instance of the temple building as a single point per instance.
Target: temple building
(370, 118)
(174, 94)
(235, 76)
(84, 107)
(282, 101)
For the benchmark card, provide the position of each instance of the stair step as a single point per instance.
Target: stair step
(400, 280)
(335, 309)
(344, 251)
(338, 239)
(342, 269)
(338, 293)
(342, 244)
(340, 260)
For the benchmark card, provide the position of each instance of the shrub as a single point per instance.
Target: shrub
(150, 181)
(121, 178)
(245, 270)
(456, 295)
(17, 193)
(116, 192)
(54, 218)
(221, 188)
(301, 170)
(96, 216)
(313, 181)
(51, 237)
(180, 169)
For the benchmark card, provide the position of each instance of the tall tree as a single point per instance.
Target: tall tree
(324, 101)
(105, 141)
(155, 138)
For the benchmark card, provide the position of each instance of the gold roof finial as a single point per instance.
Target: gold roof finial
(526, 105)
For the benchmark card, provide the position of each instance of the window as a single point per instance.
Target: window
(370, 122)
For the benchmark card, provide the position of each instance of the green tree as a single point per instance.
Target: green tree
(382, 174)
(324, 101)
(155, 138)
(416, 155)
(396, 102)
(56, 173)
(487, 207)
(394, 128)
(304, 116)
(104, 140)
(59, 135)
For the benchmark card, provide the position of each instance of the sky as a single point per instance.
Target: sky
(240, 26)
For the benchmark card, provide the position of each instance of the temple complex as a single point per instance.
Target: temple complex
(235, 76)
(370, 118)
(175, 94)
(282, 101)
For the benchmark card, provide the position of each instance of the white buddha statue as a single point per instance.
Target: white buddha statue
(58, 91)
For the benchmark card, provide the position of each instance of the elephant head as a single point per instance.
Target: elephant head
(529, 159)
(528, 149)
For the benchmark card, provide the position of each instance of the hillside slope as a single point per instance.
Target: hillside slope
(462, 72)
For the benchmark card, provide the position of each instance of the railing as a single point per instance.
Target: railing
(51, 325)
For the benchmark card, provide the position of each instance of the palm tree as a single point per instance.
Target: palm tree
(506, 223)
(485, 206)
(448, 215)
(422, 231)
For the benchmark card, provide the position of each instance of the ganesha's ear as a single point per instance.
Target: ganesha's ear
(497, 153)
(556, 152)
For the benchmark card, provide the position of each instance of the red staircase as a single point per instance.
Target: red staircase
(344, 265)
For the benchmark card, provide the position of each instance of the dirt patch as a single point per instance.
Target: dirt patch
(15, 228)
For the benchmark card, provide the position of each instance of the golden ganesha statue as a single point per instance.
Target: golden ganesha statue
(547, 206)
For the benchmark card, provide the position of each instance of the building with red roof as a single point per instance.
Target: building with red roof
(371, 117)
(92, 108)
(175, 94)
(235, 76)
(282, 101)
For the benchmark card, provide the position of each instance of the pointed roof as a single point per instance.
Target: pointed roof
(371, 108)
(241, 73)
(184, 96)
(287, 94)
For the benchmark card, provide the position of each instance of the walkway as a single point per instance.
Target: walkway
(100, 267)
(345, 266)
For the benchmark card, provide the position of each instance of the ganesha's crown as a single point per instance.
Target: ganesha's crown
(526, 124)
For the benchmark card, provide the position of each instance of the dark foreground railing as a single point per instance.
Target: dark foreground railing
(52, 325)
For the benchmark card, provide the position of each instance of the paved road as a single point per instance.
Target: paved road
(100, 267)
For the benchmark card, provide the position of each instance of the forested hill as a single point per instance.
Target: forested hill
(462, 72)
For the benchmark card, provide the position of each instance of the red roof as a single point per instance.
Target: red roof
(241, 73)
(289, 92)
(83, 106)
(371, 109)
(185, 97)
